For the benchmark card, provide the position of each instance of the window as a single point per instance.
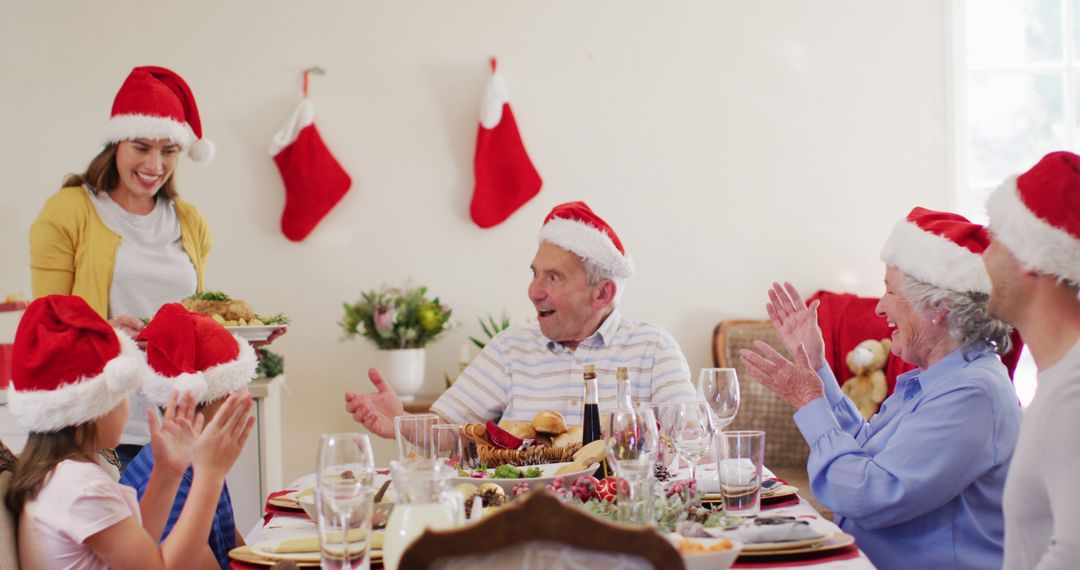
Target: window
(1017, 84)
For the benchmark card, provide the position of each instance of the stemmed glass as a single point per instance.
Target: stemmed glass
(665, 422)
(693, 433)
(633, 446)
(720, 389)
(344, 472)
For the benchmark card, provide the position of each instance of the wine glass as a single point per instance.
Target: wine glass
(633, 446)
(665, 422)
(720, 388)
(344, 472)
(693, 433)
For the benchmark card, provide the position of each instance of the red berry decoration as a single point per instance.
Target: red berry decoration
(502, 438)
(608, 489)
(584, 488)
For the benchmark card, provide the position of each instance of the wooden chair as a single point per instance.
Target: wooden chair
(786, 451)
(572, 537)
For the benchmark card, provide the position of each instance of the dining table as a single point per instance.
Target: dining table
(278, 524)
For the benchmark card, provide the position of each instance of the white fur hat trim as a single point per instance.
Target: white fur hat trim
(208, 385)
(589, 243)
(934, 259)
(1037, 244)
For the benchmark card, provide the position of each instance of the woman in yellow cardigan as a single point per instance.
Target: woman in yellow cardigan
(117, 235)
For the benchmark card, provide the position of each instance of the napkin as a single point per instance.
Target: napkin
(765, 533)
(311, 543)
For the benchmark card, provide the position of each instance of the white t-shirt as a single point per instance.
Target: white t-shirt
(77, 501)
(1042, 498)
(151, 269)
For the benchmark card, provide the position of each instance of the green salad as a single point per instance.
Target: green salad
(501, 472)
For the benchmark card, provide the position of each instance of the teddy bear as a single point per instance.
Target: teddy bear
(867, 387)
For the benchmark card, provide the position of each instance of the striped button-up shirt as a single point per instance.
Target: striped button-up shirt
(521, 372)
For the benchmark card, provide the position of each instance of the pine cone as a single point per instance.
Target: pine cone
(661, 473)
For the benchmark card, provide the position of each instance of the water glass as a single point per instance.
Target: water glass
(720, 388)
(633, 447)
(424, 499)
(344, 471)
(742, 454)
(693, 433)
(665, 423)
(414, 436)
(449, 445)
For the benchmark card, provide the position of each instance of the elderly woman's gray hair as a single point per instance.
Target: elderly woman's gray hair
(968, 319)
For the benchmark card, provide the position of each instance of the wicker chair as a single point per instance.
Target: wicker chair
(9, 559)
(785, 449)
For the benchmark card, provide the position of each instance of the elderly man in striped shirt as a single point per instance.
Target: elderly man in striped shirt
(578, 274)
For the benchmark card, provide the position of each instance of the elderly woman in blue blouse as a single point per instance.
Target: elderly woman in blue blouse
(919, 485)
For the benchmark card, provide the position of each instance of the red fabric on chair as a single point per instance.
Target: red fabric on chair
(847, 319)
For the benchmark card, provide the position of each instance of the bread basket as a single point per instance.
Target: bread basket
(493, 456)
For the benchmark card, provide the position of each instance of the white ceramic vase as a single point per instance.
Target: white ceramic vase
(403, 369)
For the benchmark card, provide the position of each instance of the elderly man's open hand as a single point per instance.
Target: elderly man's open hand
(796, 322)
(795, 382)
(376, 411)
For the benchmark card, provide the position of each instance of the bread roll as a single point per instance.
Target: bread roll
(569, 437)
(520, 430)
(549, 421)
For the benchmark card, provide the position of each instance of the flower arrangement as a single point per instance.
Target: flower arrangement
(394, 317)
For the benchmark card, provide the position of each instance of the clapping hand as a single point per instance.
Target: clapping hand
(796, 323)
(173, 438)
(222, 440)
(795, 382)
(376, 411)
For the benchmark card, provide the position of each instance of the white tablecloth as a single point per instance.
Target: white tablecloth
(291, 527)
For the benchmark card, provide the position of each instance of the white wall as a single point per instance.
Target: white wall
(729, 144)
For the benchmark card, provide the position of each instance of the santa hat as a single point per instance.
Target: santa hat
(69, 366)
(940, 248)
(1037, 216)
(574, 227)
(193, 353)
(155, 103)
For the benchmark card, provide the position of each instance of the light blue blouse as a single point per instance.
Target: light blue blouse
(920, 485)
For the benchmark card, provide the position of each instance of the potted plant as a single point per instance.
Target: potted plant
(401, 321)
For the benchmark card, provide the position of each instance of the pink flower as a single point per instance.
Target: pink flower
(384, 319)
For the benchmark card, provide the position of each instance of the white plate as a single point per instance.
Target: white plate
(255, 334)
(547, 476)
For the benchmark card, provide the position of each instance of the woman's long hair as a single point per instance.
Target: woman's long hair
(102, 174)
(42, 453)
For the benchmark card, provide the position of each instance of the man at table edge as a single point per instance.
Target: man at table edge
(1034, 268)
(578, 272)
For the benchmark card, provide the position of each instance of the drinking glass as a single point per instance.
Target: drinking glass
(449, 445)
(344, 471)
(720, 388)
(739, 469)
(693, 433)
(632, 449)
(414, 436)
(665, 424)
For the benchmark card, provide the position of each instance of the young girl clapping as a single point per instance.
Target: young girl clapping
(72, 374)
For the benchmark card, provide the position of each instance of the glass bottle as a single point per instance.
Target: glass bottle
(591, 430)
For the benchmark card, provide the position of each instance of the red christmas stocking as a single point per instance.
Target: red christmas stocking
(505, 177)
(314, 180)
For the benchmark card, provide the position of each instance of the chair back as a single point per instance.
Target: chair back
(541, 532)
(760, 409)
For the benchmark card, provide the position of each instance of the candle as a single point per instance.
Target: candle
(464, 357)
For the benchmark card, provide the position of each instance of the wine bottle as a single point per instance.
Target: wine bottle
(590, 417)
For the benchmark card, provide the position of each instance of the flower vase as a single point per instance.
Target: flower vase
(403, 369)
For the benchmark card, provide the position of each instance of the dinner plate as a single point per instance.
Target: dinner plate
(256, 333)
(774, 547)
(836, 541)
(246, 555)
(547, 475)
(785, 492)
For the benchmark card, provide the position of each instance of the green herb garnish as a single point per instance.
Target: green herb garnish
(278, 319)
(212, 296)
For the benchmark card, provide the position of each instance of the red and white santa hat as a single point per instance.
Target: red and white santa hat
(1037, 216)
(69, 367)
(574, 227)
(155, 103)
(193, 353)
(940, 248)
